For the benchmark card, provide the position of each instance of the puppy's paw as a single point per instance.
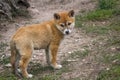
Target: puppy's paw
(58, 66)
(30, 76)
(19, 70)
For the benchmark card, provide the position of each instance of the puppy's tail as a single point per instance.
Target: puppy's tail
(15, 57)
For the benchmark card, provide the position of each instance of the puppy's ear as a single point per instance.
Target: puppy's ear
(56, 16)
(71, 13)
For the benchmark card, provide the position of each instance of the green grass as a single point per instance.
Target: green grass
(105, 10)
(78, 20)
(99, 15)
(40, 72)
(7, 75)
(50, 77)
(88, 22)
(79, 54)
(76, 79)
(110, 57)
(115, 40)
(21, 12)
(112, 74)
(37, 68)
(115, 24)
(3, 58)
(106, 4)
(96, 29)
(3, 46)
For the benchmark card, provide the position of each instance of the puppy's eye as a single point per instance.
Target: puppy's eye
(62, 25)
(69, 23)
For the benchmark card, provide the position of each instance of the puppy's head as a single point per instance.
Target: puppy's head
(65, 21)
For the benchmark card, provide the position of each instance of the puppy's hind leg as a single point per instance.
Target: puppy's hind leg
(16, 72)
(14, 59)
(24, 61)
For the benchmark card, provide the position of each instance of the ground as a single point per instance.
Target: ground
(78, 63)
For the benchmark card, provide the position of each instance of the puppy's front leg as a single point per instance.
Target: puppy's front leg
(48, 56)
(54, 48)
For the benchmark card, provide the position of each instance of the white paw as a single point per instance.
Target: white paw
(57, 66)
(19, 70)
(30, 75)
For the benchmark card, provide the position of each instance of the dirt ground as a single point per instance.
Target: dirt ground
(42, 10)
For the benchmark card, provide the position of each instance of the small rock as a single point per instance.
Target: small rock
(83, 60)
(76, 40)
(100, 43)
(82, 49)
(83, 24)
(107, 69)
(94, 25)
(2, 56)
(115, 61)
(69, 52)
(71, 60)
(34, 56)
(113, 48)
(103, 22)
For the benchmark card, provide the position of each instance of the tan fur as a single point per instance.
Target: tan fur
(38, 36)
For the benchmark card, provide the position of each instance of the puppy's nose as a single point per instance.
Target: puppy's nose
(67, 32)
